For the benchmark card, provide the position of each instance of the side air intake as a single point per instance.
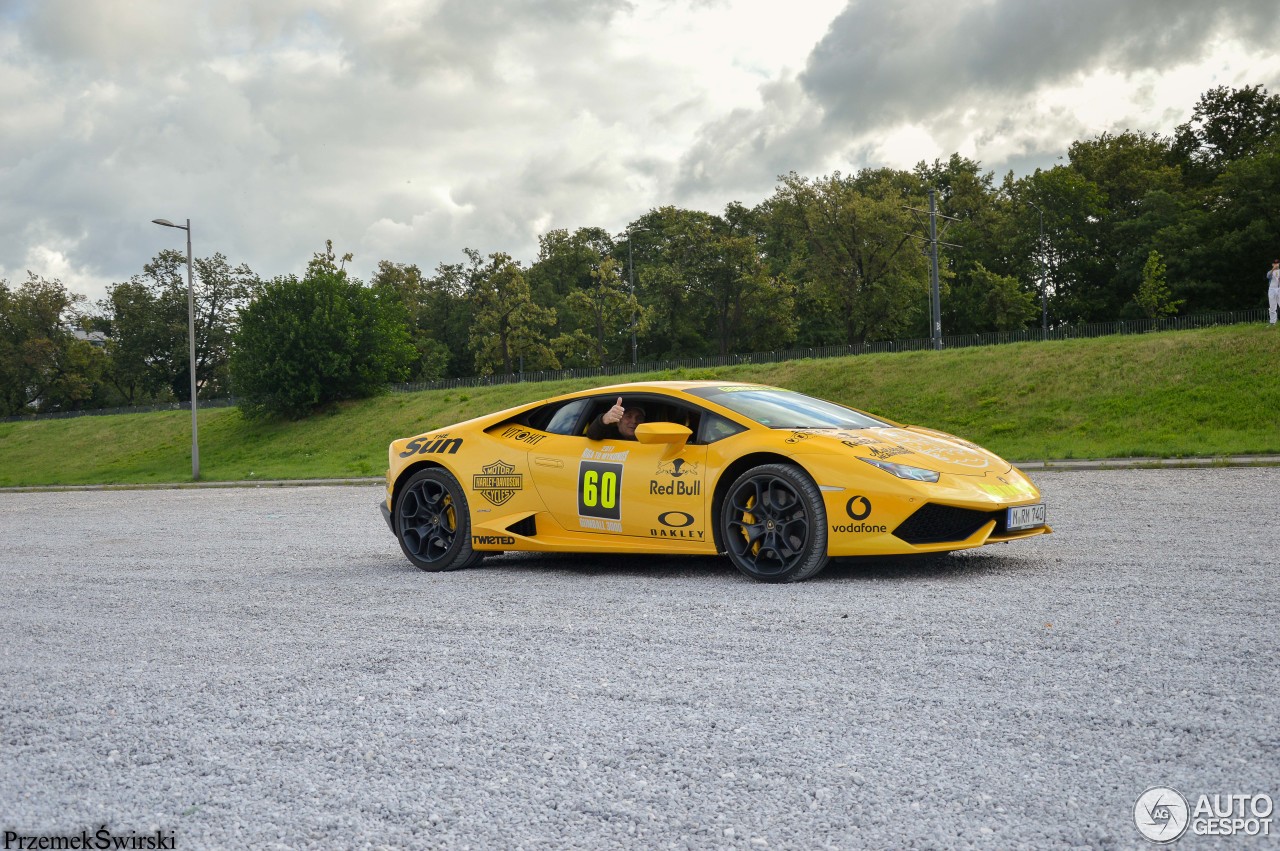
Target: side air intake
(525, 528)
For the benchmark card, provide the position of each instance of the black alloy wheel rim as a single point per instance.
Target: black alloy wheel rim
(428, 520)
(768, 525)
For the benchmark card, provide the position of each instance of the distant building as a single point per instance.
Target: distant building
(97, 339)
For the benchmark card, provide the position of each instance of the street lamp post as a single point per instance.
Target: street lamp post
(191, 340)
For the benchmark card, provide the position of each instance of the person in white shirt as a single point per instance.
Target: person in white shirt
(1273, 289)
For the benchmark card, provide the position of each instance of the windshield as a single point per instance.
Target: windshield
(785, 409)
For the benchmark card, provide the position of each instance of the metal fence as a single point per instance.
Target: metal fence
(956, 341)
(227, 402)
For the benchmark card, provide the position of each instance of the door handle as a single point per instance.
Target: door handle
(548, 462)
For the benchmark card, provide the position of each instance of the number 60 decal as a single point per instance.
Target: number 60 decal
(599, 489)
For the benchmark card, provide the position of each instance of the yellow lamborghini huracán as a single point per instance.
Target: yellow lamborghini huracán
(778, 481)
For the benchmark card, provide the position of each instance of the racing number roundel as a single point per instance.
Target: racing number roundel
(600, 490)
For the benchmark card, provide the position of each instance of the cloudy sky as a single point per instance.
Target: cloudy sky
(406, 130)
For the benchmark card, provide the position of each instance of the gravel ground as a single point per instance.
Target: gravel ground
(262, 668)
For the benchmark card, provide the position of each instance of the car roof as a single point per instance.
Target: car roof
(664, 387)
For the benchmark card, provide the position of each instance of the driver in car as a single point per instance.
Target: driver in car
(617, 423)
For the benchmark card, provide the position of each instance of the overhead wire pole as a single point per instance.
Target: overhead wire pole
(935, 296)
(935, 289)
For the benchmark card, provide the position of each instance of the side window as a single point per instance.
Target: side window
(565, 420)
(688, 417)
(715, 427)
(599, 405)
(657, 409)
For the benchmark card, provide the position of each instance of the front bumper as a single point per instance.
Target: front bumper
(386, 515)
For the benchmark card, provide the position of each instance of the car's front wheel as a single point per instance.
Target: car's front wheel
(432, 523)
(774, 525)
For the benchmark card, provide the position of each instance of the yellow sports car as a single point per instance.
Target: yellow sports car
(778, 481)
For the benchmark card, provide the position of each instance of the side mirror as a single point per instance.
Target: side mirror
(662, 433)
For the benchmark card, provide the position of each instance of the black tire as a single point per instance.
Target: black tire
(432, 522)
(773, 524)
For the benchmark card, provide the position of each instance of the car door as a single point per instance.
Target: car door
(622, 487)
(662, 494)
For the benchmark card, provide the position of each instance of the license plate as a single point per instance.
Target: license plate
(1024, 517)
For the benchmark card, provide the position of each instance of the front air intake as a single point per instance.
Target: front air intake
(940, 524)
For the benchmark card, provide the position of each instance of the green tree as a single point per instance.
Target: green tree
(1218, 252)
(583, 275)
(853, 258)
(993, 302)
(1125, 167)
(996, 269)
(43, 366)
(566, 263)
(673, 327)
(755, 305)
(146, 320)
(1227, 125)
(438, 315)
(706, 284)
(450, 313)
(1133, 182)
(610, 310)
(1154, 297)
(305, 343)
(509, 330)
(663, 245)
(140, 343)
(1077, 276)
(751, 309)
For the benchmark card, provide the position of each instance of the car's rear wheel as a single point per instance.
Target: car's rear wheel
(432, 523)
(773, 524)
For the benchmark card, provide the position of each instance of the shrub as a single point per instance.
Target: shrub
(304, 343)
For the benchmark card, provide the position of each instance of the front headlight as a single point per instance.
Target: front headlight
(902, 471)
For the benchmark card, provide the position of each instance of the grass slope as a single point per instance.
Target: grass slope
(1183, 393)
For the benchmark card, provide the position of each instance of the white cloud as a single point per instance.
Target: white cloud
(406, 130)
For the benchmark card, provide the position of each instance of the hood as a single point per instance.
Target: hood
(915, 447)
